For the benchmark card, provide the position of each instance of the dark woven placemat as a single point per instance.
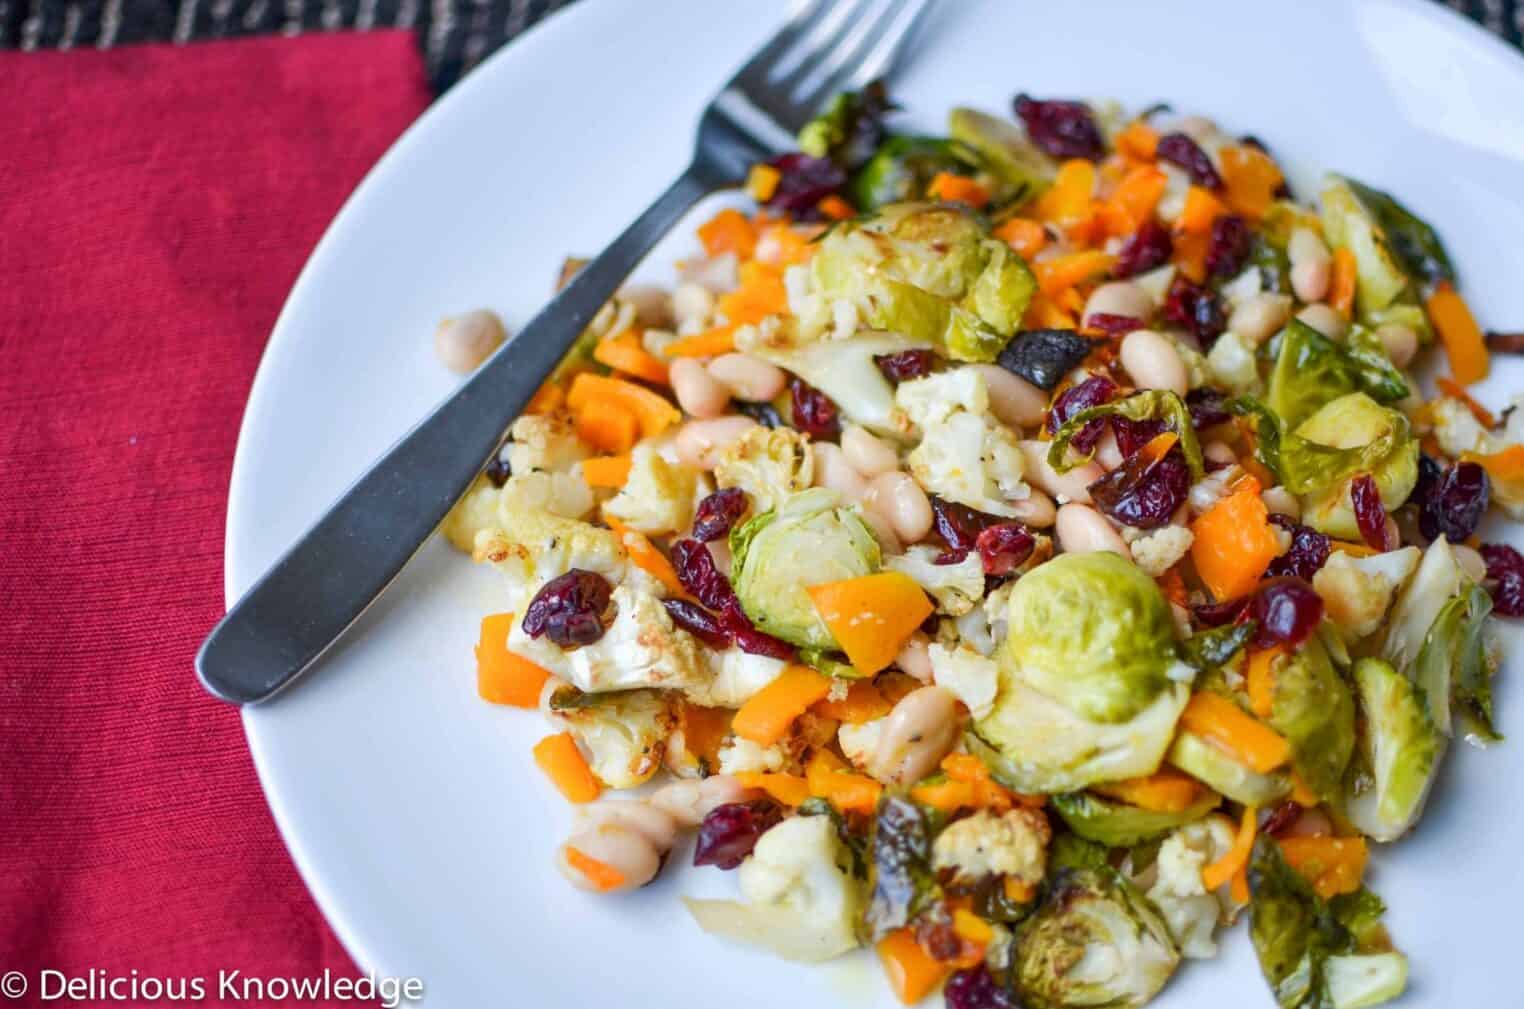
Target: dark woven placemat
(455, 35)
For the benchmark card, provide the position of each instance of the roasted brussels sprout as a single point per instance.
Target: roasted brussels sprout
(844, 371)
(1214, 767)
(1454, 669)
(851, 127)
(1398, 257)
(903, 167)
(778, 554)
(1118, 825)
(1313, 709)
(930, 273)
(1399, 754)
(1151, 404)
(1350, 435)
(1008, 155)
(1094, 941)
(1312, 370)
(900, 876)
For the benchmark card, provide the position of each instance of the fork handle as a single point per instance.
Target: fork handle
(325, 581)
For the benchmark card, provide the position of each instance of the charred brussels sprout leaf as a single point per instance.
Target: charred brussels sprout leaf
(1119, 825)
(1313, 709)
(900, 873)
(850, 129)
(1212, 649)
(903, 167)
(1094, 941)
(1044, 356)
(1312, 370)
(1349, 224)
(1153, 404)
(1415, 242)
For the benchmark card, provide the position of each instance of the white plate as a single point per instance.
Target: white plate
(412, 809)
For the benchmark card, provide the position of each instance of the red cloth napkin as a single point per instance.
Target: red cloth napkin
(156, 204)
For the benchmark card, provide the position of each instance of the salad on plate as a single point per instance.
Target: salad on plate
(1024, 551)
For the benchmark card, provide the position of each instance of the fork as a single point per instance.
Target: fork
(322, 584)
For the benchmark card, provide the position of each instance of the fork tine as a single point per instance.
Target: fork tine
(763, 64)
(836, 32)
(872, 54)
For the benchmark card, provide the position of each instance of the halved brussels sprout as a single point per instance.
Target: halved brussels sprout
(1007, 152)
(903, 167)
(1220, 771)
(929, 272)
(1118, 825)
(777, 555)
(1400, 750)
(1312, 370)
(1352, 434)
(1438, 580)
(1455, 669)
(1349, 224)
(1093, 632)
(1313, 709)
(1094, 941)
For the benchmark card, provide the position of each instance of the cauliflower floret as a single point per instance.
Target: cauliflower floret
(1231, 363)
(1196, 368)
(544, 441)
(657, 497)
(531, 547)
(801, 867)
(1158, 551)
(1357, 592)
(1191, 913)
(563, 494)
(625, 733)
(859, 742)
(641, 648)
(475, 511)
(972, 678)
(1014, 843)
(739, 755)
(736, 676)
(769, 464)
(970, 459)
(929, 401)
(955, 587)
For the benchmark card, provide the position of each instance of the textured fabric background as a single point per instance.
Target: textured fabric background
(455, 34)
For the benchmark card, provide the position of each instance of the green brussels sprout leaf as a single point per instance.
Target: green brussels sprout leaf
(1215, 768)
(1312, 707)
(1020, 166)
(1454, 669)
(1118, 825)
(1070, 851)
(1312, 370)
(900, 875)
(1399, 753)
(1151, 404)
(1416, 244)
(1350, 435)
(1381, 278)
(1212, 649)
(849, 128)
(903, 167)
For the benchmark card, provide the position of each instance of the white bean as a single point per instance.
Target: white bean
(914, 658)
(1153, 362)
(1217, 451)
(1258, 316)
(1082, 530)
(1120, 297)
(917, 734)
(834, 471)
(1071, 486)
(748, 378)
(1400, 341)
(867, 453)
(1014, 401)
(688, 802)
(465, 341)
(1281, 501)
(900, 500)
(652, 304)
(1311, 265)
(627, 852)
(1470, 561)
(1107, 452)
(699, 442)
(698, 392)
(655, 825)
(1036, 509)
(1325, 320)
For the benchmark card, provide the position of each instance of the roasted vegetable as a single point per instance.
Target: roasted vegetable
(1398, 757)
(1118, 825)
(844, 371)
(1224, 773)
(1346, 437)
(777, 555)
(1454, 669)
(1094, 941)
(850, 129)
(1151, 404)
(1044, 356)
(903, 167)
(1008, 155)
(1313, 709)
(1312, 370)
(900, 876)
(1350, 224)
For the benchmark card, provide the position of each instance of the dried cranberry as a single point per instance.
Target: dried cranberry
(803, 182)
(735, 622)
(1309, 550)
(905, 365)
(1180, 150)
(976, 988)
(1229, 247)
(1063, 129)
(498, 470)
(959, 526)
(1283, 817)
(1370, 513)
(1113, 325)
(569, 610)
(1454, 505)
(730, 832)
(1505, 570)
(1197, 309)
(1093, 391)
(1134, 434)
(1288, 611)
(1143, 495)
(718, 512)
(814, 413)
(697, 621)
(1208, 408)
(1004, 547)
(1148, 247)
(697, 571)
(1220, 614)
